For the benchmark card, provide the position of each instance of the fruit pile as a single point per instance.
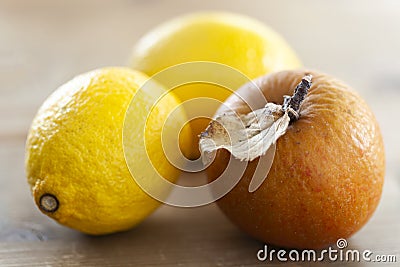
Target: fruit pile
(325, 177)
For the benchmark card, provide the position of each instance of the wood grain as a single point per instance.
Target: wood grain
(44, 43)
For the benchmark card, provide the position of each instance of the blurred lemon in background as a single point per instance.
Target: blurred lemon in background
(235, 40)
(74, 154)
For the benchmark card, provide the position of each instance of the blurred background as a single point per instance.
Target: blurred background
(44, 43)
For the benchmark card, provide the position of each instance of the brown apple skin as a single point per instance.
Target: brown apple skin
(327, 175)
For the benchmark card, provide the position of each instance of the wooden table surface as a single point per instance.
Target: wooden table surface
(45, 43)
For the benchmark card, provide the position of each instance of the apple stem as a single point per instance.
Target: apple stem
(292, 104)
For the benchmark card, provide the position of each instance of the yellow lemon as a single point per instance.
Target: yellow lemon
(235, 40)
(75, 155)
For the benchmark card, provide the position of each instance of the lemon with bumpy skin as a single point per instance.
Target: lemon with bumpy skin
(75, 156)
(231, 39)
